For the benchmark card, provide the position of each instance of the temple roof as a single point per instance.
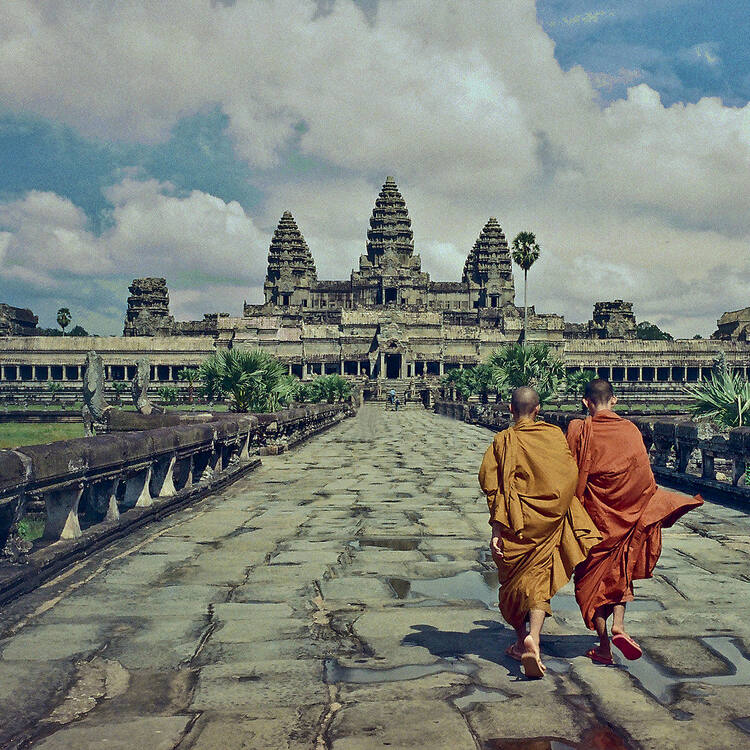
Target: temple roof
(289, 251)
(489, 259)
(390, 225)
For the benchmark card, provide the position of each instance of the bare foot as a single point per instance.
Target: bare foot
(531, 659)
(515, 650)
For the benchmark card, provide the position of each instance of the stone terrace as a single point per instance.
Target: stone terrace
(339, 597)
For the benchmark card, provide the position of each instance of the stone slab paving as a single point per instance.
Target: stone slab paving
(340, 598)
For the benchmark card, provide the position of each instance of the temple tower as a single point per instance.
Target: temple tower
(291, 268)
(488, 270)
(390, 273)
(148, 308)
(390, 227)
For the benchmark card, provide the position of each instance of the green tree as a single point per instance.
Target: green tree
(189, 375)
(575, 382)
(63, 318)
(168, 394)
(251, 380)
(328, 388)
(54, 389)
(535, 366)
(723, 398)
(651, 332)
(78, 331)
(525, 253)
(119, 387)
(480, 380)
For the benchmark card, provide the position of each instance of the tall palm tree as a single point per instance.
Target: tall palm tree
(525, 253)
(63, 318)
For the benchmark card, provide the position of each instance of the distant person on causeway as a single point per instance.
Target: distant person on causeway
(618, 490)
(540, 530)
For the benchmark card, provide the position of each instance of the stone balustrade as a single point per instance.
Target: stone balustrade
(93, 481)
(682, 452)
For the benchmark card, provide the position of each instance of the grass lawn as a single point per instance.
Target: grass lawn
(13, 434)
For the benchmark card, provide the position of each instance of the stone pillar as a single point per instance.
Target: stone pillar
(62, 513)
(2, 372)
(381, 365)
(640, 374)
(341, 364)
(359, 368)
(289, 369)
(442, 368)
(137, 489)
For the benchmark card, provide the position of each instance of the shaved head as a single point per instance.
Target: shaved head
(523, 401)
(599, 392)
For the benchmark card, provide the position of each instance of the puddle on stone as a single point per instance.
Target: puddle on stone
(478, 694)
(474, 585)
(440, 558)
(657, 680)
(400, 544)
(471, 585)
(598, 738)
(334, 672)
(742, 723)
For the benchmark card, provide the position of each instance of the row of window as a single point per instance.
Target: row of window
(654, 374)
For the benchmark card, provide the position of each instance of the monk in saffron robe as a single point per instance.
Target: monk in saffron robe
(540, 530)
(618, 491)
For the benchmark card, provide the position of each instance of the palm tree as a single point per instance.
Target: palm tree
(189, 374)
(576, 382)
(328, 388)
(724, 398)
(525, 253)
(252, 380)
(63, 318)
(535, 366)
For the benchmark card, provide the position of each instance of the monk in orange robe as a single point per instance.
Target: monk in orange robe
(618, 490)
(540, 530)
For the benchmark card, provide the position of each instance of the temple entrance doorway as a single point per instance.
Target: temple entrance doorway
(392, 366)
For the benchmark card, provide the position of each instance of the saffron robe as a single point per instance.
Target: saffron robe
(618, 491)
(529, 477)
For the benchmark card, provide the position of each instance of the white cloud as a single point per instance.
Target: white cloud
(197, 241)
(463, 102)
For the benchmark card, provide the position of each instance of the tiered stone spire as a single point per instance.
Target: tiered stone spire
(390, 225)
(288, 253)
(489, 259)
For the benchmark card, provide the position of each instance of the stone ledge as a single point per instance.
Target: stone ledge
(45, 563)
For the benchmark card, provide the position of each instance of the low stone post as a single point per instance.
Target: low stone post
(138, 490)
(162, 477)
(663, 442)
(62, 513)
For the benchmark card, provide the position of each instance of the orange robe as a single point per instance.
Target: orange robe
(618, 490)
(529, 477)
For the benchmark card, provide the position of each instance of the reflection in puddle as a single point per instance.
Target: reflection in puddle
(474, 585)
(743, 724)
(334, 672)
(401, 544)
(599, 738)
(661, 684)
(471, 585)
(478, 694)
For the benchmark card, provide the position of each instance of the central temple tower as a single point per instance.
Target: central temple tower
(390, 273)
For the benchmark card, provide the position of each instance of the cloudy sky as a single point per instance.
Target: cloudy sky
(166, 137)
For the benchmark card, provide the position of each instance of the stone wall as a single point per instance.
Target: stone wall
(94, 489)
